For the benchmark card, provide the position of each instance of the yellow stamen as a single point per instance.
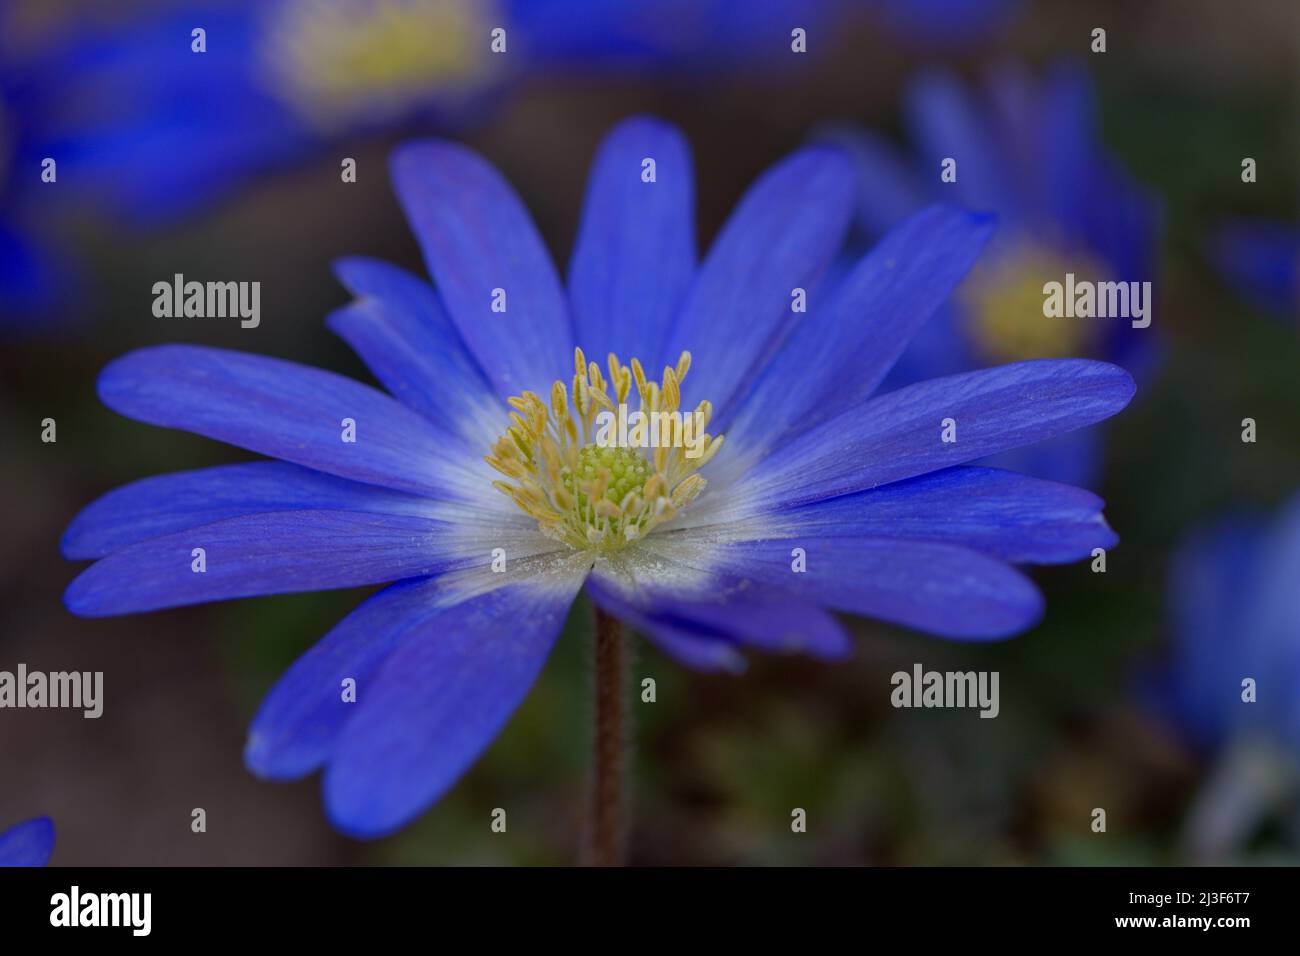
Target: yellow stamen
(587, 490)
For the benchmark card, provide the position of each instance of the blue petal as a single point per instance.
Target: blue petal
(182, 128)
(1070, 152)
(635, 253)
(839, 356)
(1009, 516)
(287, 411)
(947, 121)
(272, 553)
(736, 614)
(705, 654)
(28, 844)
(931, 586)
(1088, 199)
(1274, 611)
(1211, 582)
(782, 236)
(165, 504)
(477, 237)
(401, 331)
(899, 435)
(437, 703)
(301, 718)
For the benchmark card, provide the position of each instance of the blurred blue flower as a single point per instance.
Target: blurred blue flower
(1027, 151)
(1230, 683)
(1235, 614)
(1260, 259)
(32, 277)
(822, 498)
(144, 125)
(945, 23)
(27, 844)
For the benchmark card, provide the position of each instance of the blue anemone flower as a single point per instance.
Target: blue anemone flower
(475, 483)
(1260, 259)
(27, 844)
(144, 125)
(1027, 151)
(1235, 615)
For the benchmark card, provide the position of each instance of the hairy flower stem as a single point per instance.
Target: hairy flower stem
(603, 844)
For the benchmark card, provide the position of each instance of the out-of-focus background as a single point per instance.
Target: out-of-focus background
(207, 186)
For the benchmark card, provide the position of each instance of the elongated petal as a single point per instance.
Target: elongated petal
(1071, 153)
(782, 236)
(287, 411)
(839, 355)
(931, 586)
(27, 844)
(1009, 516)
(438, 701)
(272, 553)
(737, 615)
(901, 434)
(705, 654)
(948, 122)
(165, 504)
(301, 718)
(1212, 583)
(477, 237)
(401, 331)
(635, 253)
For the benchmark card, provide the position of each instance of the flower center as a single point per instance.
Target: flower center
(1005, 299)
(595, 475)
(342, 62)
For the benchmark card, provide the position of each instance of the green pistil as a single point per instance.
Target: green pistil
(628, 472)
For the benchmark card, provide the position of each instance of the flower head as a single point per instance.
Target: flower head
(27, 844)
(277, 80)
(1028, 151)
(477, 486)
(1233, 671)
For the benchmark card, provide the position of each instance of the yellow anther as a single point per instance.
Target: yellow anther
(712, 445)
(683, 365)
(704, 413)
(638, 373)
(585, 489)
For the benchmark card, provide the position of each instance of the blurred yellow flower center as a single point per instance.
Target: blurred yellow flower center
(342, 61)
(1004, 300)
(588, 478)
